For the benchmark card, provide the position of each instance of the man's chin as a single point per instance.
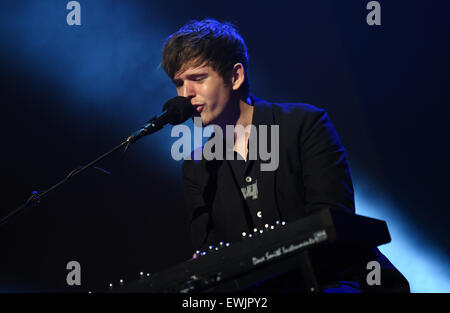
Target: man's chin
(205, 120)
(195, 117)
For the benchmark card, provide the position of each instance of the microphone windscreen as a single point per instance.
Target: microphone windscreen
(179, 109)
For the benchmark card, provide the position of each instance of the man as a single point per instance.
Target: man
(227, 199)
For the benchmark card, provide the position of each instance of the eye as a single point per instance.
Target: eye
(199, 78)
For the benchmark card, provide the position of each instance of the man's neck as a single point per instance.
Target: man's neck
(241, 140)
(242, 115)
(246, 116)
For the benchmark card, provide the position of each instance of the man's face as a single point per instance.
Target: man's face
(206, 89)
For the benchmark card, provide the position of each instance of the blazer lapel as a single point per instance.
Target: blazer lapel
(263, 115)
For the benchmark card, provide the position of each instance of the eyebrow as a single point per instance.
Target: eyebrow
(190, 76)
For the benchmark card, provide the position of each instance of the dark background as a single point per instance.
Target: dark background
(70, 93)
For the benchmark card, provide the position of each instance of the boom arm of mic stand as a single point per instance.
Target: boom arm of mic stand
(36, 196)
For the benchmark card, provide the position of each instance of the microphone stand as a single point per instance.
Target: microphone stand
(35, 197)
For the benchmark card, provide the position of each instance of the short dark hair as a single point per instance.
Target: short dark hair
(218, 44)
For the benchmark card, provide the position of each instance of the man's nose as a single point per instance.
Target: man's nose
(188, 90)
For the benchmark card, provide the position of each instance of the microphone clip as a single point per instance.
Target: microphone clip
(150, 127)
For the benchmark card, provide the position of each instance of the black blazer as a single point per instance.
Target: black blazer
(313, 173)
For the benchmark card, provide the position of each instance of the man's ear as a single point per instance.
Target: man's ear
(238, 76)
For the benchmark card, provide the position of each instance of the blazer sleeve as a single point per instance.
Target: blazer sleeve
(199, 211)
(326, 174)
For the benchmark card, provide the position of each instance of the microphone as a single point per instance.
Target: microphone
(177, 111)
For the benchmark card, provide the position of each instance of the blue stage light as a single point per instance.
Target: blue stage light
(422, 263)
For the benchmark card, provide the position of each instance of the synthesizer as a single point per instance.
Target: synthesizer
(231, 267)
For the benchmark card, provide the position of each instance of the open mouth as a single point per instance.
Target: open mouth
(198, 108)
